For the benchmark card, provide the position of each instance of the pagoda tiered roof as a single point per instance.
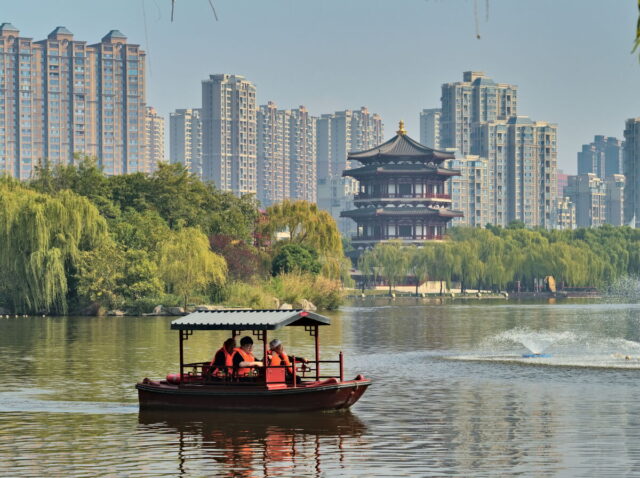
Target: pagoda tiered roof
(401, 212)
(401, 147)
(412, 169)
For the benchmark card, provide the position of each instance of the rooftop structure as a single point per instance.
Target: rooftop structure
(401, 193)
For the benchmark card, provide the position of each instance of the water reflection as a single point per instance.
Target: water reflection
(258, 445)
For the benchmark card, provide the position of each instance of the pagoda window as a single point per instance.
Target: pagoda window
(404, 189)
(391, 230)
(361, 231)
(405, 231)
(392, 190)
(419, 230)
(418, 189)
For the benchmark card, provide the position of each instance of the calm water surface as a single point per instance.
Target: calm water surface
(452, 396)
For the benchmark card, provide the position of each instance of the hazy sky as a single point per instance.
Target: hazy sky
(570, 58)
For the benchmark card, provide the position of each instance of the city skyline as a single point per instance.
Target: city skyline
(583, 97)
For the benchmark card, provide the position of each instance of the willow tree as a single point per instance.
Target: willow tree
(187, 264)
(306, 225)
(42, 238)
(419, 261)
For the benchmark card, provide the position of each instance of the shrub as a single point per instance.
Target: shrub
(294, 257)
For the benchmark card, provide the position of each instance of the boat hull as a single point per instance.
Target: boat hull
(247, 397)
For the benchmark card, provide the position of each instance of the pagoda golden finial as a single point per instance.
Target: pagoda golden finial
(401, 131)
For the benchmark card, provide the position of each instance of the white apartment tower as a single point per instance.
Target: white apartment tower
(60, 96)
(303, 155)
(274, 154)
(430, 127)
(338, 134)
(185, 139)
(229, 133)
(154, 126)
(476, 99)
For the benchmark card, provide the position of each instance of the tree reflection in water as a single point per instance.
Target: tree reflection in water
(257, 445)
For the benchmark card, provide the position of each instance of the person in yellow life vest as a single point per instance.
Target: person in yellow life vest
(243, 359)
(222, 363)
(277, 356)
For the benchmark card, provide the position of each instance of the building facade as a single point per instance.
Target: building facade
(430, 127)
(154, 126)
(60, 97)
(476, 99)
(589, 194)
(303, 155)
(274, 154)
(631, 156)
(615, 185)
(564, 214)
(602, 157)
(401, 193)
(470, 191)
(185, 139)
(229, 133)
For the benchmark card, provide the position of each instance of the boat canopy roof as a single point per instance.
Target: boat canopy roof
(247, 319)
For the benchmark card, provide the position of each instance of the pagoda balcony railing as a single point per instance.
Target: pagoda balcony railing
(386, 237)
(402, 196)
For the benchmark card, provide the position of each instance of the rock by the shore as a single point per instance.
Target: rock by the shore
(116, 313)
(307, 305)
(286, 306)
(175, 310)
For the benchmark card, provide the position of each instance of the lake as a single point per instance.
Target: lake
(452, 395)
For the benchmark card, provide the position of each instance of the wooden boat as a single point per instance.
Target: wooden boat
(269, 391)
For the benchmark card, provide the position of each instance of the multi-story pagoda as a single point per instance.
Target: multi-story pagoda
(401, 194)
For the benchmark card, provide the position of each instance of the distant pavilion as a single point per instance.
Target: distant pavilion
(401, 194)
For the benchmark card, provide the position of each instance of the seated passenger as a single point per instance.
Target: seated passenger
(277, 356)
(243, 359)
(222, 363)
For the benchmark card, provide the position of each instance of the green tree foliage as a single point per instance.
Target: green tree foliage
(391, 261)
(174, 194)
(187, 264)
(497, 259)
(295, 258)
(310, 227)
(42, 240)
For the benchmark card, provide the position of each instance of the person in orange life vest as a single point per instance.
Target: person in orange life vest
(243, 359)
(277, 356)
(222, 363)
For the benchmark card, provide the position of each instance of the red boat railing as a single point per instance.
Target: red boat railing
(200, 373)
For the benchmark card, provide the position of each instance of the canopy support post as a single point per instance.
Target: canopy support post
(181, 357)
(264, 347)
(315, 330)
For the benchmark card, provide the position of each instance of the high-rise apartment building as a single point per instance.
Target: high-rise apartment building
(286, 155)
(154, 126)
(229, 133)
(615, 199)
(274, 154)
(60, 96)
(602, 157)
(589, 194)
(632, 171)
(522, 169)
(532, 169)
(303, 155)
(339, 134)
(470, 191)
(185, 139)
(430, 127)
(491, 142)
(476, 99)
